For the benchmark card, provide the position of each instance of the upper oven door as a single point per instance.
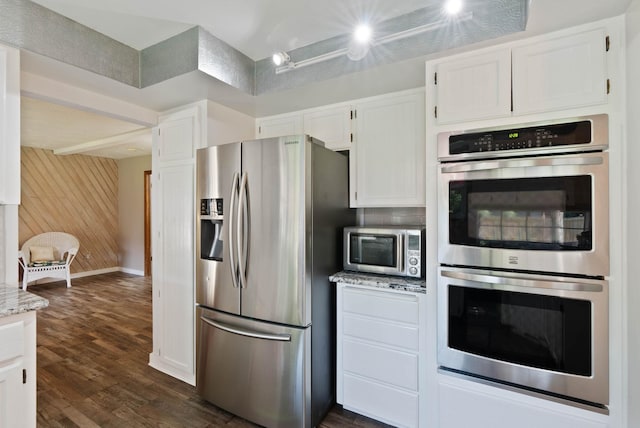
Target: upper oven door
(547, 214)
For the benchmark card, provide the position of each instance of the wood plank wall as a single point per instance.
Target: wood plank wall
(76, 194)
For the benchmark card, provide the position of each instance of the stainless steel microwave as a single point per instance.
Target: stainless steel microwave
(387, 250)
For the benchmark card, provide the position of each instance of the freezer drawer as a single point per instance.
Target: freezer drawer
(256, 370)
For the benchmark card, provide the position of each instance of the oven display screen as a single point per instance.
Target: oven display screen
(564, 134)
(546, 332)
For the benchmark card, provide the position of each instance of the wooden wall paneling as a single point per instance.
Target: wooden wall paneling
(76, 194)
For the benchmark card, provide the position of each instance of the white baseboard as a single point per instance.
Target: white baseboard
(161, 365)
(89, 273)
(132, 271)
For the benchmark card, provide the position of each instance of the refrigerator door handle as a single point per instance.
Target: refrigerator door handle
(232, 261)
(247, 333)
(242, 235)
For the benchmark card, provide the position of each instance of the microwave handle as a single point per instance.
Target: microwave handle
(522, 163)
(503, 282)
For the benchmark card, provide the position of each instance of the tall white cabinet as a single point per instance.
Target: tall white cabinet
(175, 141)
(179, 134)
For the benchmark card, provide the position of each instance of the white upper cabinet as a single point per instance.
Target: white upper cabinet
(332, 125)
(388, 152)
(277, 126)
(549, 74)
(474, 87)
(560, 73)
(9, 125)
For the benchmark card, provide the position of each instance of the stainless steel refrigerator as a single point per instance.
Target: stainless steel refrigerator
(270, 218)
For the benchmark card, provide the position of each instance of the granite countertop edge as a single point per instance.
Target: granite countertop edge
(14, 301)
(380, 281)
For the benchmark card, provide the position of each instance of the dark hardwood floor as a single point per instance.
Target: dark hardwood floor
(94, 341)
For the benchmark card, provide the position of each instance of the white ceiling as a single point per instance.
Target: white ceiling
(255, 27)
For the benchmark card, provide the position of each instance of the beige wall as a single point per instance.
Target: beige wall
(76, 194)
(131, 212)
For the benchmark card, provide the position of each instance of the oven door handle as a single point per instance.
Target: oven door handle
(503, 282)
(522, 163)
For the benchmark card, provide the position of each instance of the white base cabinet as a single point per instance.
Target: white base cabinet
(18, 370)
(380, 347)
(464, 403)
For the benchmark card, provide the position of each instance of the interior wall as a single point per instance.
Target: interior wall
(633, 206)
(396, 216)
(76, 194)
(131, 212)
(2, 238)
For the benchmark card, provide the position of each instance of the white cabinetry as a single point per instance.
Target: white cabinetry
(380, 348)
(176, 138)
(547, 75)
(9, 125)
(388, 152)
(18, 370)
(332, 125)
(464, 403)
(561, 73)
(277, 126)
(474, 87)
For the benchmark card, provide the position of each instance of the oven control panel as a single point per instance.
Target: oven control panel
(563, 134)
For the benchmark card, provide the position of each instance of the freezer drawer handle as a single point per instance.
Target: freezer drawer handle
(248, 333)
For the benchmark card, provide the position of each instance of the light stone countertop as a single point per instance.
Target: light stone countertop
(380, 281)
(15, 301)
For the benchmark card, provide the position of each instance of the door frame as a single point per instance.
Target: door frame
(147, 223)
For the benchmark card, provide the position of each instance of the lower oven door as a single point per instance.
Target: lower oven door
(544, 333)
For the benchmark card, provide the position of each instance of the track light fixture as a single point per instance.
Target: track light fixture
(359, 46)
(281, 58)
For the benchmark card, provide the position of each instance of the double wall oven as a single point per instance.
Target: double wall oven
(523, 247)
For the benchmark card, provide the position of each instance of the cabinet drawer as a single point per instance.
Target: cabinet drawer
(12, 340)
(381, 304)
(383, 332)
(387, 365)
(399, 408)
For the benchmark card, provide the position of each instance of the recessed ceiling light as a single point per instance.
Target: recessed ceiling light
(453, 7)
(363, 33)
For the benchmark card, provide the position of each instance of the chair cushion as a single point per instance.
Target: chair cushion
(41, 254)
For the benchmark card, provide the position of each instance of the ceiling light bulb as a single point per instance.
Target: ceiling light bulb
(280, 58)
(362, 33)
(453, 7)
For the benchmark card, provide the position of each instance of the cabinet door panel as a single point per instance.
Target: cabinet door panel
(279, 126)
(176, 140)
(561, 73)
(381, 331)
(380, 363)
(11, 393)
(390, 405)
(389, 152)
(331, 125)
(381, 305)
(481, 408)
(474, 88)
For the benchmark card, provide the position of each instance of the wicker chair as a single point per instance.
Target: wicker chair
(54, 253)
